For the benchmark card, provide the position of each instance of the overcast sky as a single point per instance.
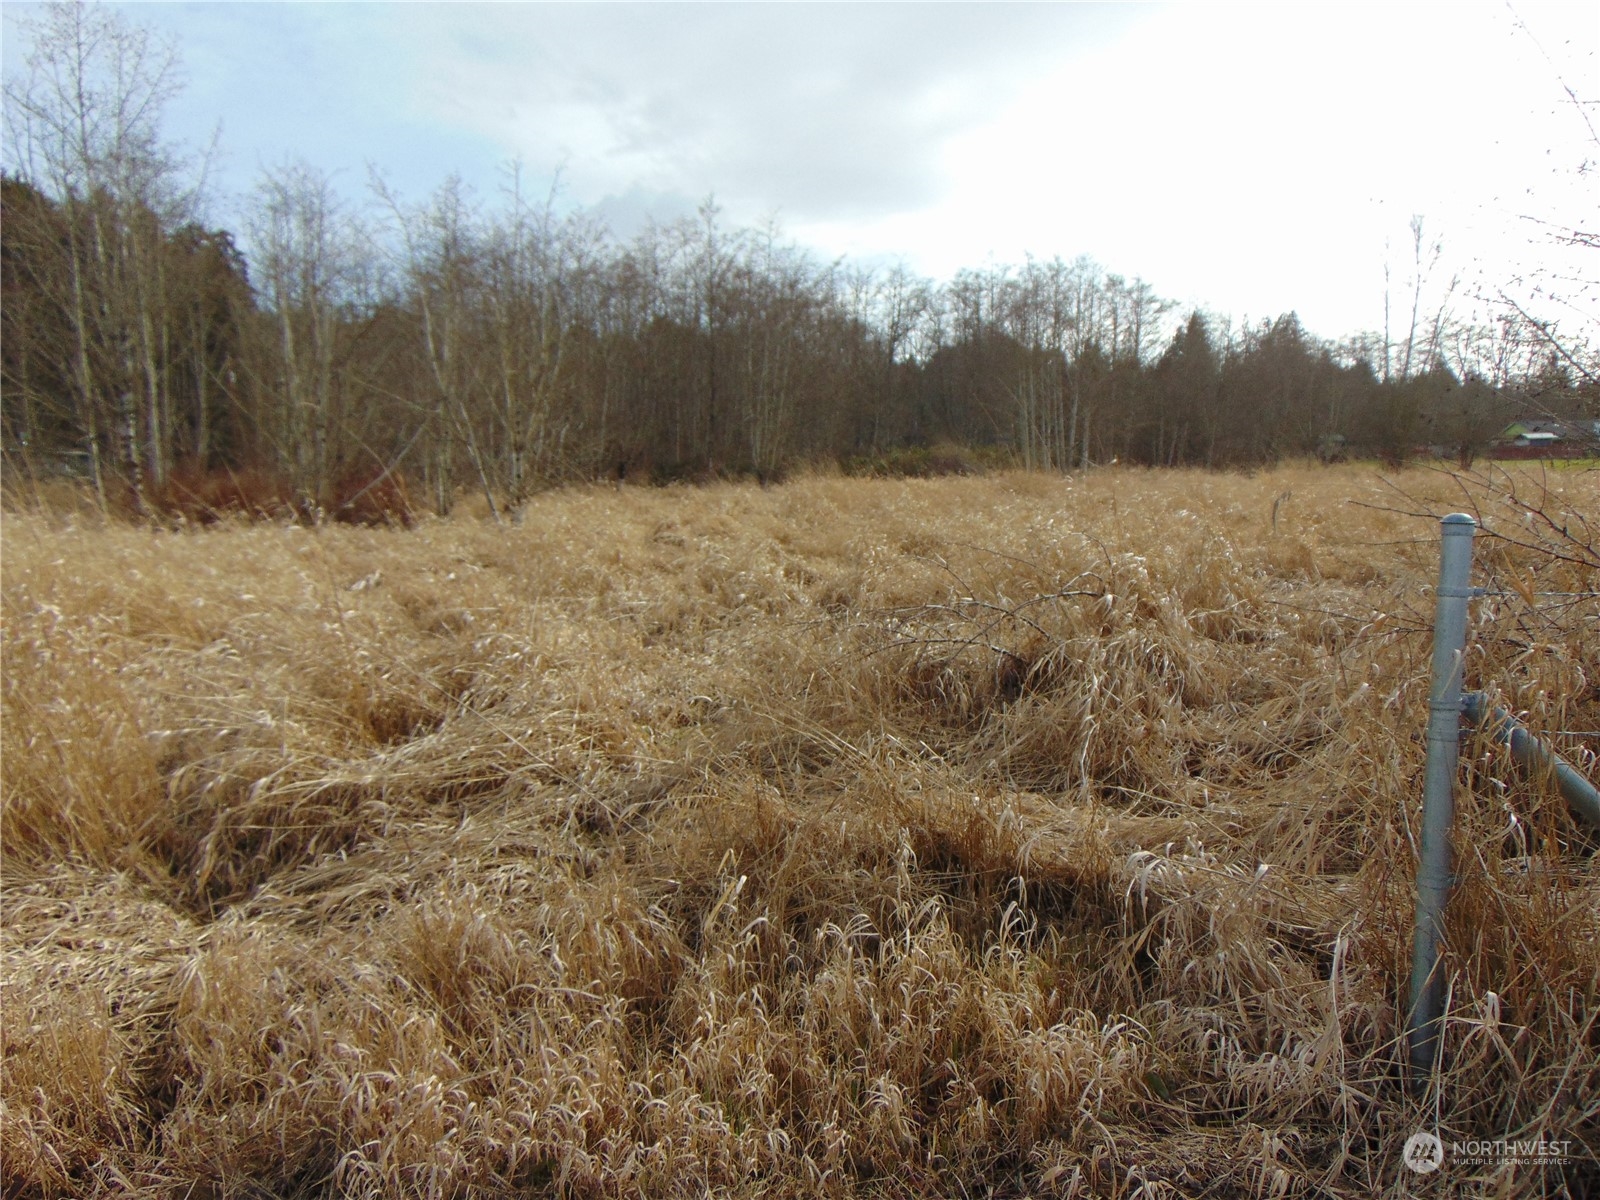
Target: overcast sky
(1252, 159)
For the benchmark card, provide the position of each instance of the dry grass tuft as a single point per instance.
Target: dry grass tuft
(1009, 835)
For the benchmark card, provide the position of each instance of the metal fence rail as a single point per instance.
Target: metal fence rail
(1534, 754)
(1447, 705)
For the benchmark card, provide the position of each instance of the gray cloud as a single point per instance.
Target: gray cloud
(831, 112)
(628, 213)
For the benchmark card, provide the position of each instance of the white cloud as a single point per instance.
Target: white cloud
(824, 111)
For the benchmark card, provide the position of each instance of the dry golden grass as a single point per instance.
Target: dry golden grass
(1002, 836)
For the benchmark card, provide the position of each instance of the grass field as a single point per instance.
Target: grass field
(1011, 836)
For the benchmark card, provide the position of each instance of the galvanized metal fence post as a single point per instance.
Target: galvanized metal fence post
(1438, 799)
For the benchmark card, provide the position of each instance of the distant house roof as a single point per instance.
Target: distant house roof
(1535, 430)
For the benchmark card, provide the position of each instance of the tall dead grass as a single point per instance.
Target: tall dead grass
(1007, 836)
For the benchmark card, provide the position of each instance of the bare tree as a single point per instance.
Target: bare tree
(83, 126)
(1572, 290)
(532, 262)
(443, 269)
(310, 257)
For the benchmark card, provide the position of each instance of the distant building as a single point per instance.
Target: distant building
(1536, 437)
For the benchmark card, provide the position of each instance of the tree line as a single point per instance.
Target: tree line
(509, 345)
